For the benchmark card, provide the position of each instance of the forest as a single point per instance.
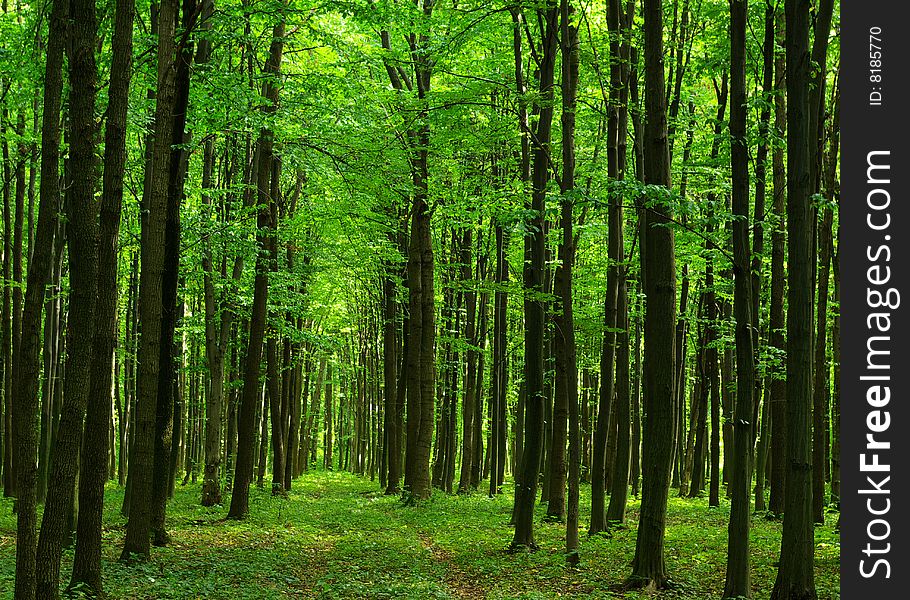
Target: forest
(420, 299)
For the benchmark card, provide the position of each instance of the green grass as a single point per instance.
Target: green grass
(338, 537)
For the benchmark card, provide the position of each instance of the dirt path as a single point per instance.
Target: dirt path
(460, 583)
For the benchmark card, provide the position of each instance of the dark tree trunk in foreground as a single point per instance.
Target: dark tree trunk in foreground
(150, 296)
(26, 401)
(659, 278)
(82, 238)
(777, 324)
(795, 576)
(738, 582)
(167, 374)
(535, 314)
(565, 322)
(87, 560)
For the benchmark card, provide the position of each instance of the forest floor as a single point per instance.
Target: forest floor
(337, 536)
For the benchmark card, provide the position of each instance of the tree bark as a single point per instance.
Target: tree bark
(565, 321)
(738, 581)
(534, 305)
(795, 576)
(87, 559)
(777, 323)
(26, 401)
(142, 463)
(251, 386)
(659, 278)
(82, 238)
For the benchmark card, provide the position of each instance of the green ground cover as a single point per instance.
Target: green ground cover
(336, 536)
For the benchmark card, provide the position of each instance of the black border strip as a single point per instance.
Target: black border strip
(873, 251)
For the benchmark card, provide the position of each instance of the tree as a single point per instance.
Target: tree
(240, 494)
(616, 510)
(93, 474)
(659, 286)
(738, 582)
(152, 258)
(795, 577)
(565, 322)
(26, 403)
(82, 240)
(526, 489)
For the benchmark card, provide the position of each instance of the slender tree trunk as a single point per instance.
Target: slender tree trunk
(761, 165)
(619, 490)
(87, 560)
(616, 509)
(659, 278)
(251, 386)
(142, 463)
(820, 386)
(82, 238)
(738, 581)
(499, 368)
(273, 382)
(468, 408)
(10, 471)
(535, 313)
(602, 429)
(565, 322)
(167, 374)
(26, 401)
(795, 576)
(329, 423)
(777, 324)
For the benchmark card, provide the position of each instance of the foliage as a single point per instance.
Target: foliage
(338, 537)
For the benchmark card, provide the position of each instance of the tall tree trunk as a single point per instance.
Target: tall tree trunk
(258, 321)
(217, 323)
(614, 252)
(761, 167)
(565, 322)
(167, 374)
(87, 560)
(738, 581)
(468, 407)
(82, 238)
(776, 322)
(328, 422)
(795, 576)
(535, 313)
(820, 388)
(616, 510)
(10, 471)
(39, 272)
(659, 278)
(499, 369)
(154, 214)
(273, 383)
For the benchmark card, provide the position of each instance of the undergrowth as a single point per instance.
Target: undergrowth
(337, 536)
